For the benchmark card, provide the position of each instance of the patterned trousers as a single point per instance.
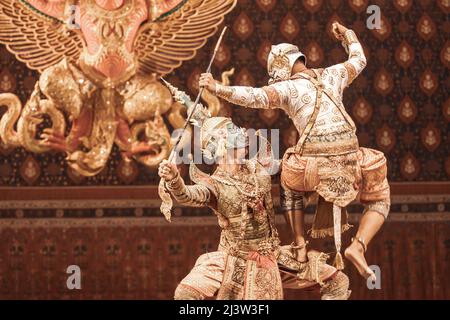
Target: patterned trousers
(205, 280)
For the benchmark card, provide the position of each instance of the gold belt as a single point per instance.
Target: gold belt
(331, 148)
(243, 248)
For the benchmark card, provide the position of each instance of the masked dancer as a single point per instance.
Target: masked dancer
(249, 262)
(327, 160)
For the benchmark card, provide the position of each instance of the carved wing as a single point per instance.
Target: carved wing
(163, 45)
(34, 38)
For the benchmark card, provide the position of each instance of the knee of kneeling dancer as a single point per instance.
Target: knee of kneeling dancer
(184, 293)
(336, 288)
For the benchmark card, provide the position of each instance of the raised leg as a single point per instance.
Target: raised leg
(370, 224)
(205, 278)
(336, 288)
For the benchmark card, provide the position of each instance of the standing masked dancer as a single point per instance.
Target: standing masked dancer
(249, 264)
(327, 160)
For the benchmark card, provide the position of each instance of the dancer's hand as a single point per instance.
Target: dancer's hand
(167, 171)
(207, 81)
(339, 30)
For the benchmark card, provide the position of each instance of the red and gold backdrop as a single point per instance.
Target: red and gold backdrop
(110, 224)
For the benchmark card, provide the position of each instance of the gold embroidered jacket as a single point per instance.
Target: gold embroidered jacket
(298, 97)
(243, 205)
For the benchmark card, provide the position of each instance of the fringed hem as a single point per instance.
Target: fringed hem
(329, 232)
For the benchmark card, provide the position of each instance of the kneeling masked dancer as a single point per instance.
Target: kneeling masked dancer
(249, 263)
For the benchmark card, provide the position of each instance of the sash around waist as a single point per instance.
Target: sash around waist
(328, 146)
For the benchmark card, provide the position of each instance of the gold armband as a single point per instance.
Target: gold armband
(351, 71)
(224, 92)
(195, 195)
(350, 37)
(175, 184)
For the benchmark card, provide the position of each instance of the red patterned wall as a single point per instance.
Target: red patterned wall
(400, 103)
(135, 260)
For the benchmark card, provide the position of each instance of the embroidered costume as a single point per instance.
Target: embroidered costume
(249, 262)
(327, 159)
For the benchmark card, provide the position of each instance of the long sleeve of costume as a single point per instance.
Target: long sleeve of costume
(193, 196)
(356, 61)
(269, 97)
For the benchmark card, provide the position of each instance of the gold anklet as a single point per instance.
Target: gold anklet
(361, 242)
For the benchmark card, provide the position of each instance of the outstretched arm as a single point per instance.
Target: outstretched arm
(192, 196)
(357, 59)
(270, 97)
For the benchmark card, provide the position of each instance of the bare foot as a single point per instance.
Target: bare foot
(355, 253)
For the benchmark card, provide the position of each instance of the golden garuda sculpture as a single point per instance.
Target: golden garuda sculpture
(100, 63)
